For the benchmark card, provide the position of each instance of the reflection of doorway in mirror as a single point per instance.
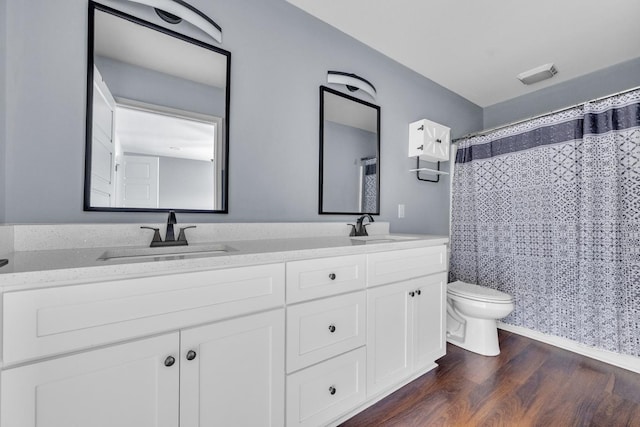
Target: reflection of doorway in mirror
(185, 147)
(102, 144)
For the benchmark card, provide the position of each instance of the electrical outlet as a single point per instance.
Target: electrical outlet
(400, 211)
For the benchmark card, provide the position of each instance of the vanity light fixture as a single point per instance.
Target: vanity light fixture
(353, 82)
(177, 10)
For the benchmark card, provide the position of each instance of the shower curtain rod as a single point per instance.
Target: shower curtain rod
(486, 131)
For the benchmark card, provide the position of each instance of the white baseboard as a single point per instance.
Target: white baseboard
(624, 361)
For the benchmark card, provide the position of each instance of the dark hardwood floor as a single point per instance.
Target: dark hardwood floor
(529, 384)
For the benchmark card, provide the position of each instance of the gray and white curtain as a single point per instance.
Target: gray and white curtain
(549, 212)
(369, 185)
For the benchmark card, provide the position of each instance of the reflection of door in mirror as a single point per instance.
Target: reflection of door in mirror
(158, 118)
(349, 154)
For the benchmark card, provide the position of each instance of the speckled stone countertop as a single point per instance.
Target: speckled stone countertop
(41, 268)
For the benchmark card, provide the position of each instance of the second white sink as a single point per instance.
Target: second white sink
(385, 238)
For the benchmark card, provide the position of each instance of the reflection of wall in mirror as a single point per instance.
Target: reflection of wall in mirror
(153, 87)
(186, 183)
(344, 147)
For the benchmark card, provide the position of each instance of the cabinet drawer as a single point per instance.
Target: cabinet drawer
(324, 392)
(318, 330)
(50, 321)
(389, 267)
(323, 277)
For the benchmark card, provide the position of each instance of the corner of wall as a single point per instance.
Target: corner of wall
(3, 108)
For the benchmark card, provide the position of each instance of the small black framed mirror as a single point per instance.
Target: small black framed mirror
(157, 125)
(349, 155)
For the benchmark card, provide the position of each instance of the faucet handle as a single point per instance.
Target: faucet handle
(353, 230)
(182, 237)
(156, 234)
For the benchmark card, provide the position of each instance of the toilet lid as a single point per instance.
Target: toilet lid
(479, 293)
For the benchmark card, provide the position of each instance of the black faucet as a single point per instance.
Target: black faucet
(360, 229)
(171, 220)
(170, 238)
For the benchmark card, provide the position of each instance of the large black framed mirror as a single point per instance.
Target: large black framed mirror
(157, 126)
(349, 155)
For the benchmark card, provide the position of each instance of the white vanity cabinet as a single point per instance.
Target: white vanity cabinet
(302, 342)
(232, 372)
(215, 356)
(325, 338)
(222, 374)
(405, 314)
(121, 385)
(406, 330)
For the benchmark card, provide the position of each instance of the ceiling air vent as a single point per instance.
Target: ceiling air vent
(538, 74)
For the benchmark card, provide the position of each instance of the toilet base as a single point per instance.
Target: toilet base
(480, 336)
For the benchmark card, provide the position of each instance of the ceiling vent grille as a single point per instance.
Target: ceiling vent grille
(538, 74)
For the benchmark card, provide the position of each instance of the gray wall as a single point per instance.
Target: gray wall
(604, 82)
(145, 85)
(343, 148)
(3, 34)
(280, 55)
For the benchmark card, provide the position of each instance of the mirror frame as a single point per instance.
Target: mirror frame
(93, 6)
(321, 211)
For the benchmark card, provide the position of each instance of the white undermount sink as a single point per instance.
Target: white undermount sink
(385, 238)
(166, 252)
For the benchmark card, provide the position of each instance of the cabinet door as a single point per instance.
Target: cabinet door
(124, 385)
(429, 320)
(389, 333)
(236, 373)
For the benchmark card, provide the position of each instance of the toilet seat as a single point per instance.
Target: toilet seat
(477, 293)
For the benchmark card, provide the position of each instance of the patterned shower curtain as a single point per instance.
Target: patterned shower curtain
(549, 212)
(369, 185)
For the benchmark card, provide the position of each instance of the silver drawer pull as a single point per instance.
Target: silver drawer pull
(332, 328)
(332, 390)
(332, 276)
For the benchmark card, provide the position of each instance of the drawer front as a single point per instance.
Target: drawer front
(389, 267)
(44, 322)
(323, 277)
(318, 330)
(324, 392)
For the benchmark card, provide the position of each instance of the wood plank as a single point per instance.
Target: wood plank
(529, 384)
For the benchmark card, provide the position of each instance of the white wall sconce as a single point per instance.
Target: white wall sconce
(353, 82)
(169, 10)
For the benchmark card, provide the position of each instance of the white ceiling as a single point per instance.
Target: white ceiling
(476, 48)
(145, 132)
(344, 111)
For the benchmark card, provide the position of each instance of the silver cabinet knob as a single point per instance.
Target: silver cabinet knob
(332, 390)
(169, 361)
(332, 276)
(191, 355)
(332, 328)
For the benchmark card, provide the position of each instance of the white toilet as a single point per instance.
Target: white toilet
(472, 312)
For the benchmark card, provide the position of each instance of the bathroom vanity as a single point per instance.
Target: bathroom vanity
(294, 331)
